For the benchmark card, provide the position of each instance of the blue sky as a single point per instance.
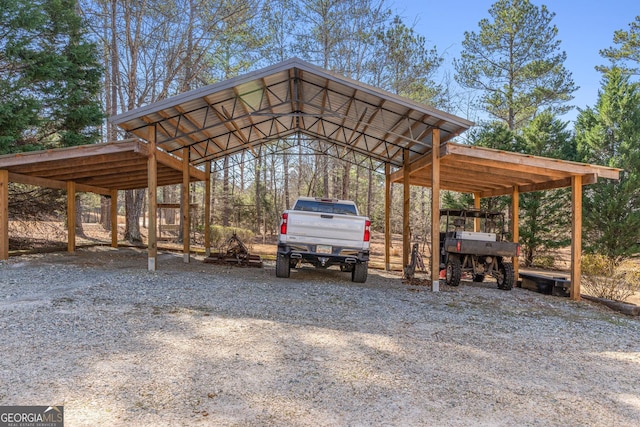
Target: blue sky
(584, 27)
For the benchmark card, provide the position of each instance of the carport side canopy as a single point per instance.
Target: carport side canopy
(96, 168)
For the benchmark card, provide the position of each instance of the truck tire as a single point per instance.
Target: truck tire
(505, 277)
(283, 266)
(454, 271)
(359, 272)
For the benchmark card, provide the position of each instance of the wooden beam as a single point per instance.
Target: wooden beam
(387, 216)
(68, 153)
(4, 214)
(476, 205)
(207, 208)
(114, 218)
(406, 230)
(65, 170)
(515, 225)
(415, 166)
(172, 162)
(71, 217)
(576, 237)
(186, 212)
(547, 185)
(522, 162)
(435, 210)
(152, 183)
(52, 183)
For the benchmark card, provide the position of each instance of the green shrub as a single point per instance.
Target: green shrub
(606, 277)
(544, 261)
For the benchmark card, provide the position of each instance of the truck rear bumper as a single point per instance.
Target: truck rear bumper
(310, 253)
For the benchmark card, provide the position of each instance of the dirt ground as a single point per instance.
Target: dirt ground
(205, 344)
(45, 236)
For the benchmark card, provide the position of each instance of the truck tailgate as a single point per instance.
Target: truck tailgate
(334, 229)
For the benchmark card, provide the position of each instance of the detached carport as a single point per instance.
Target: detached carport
(100, 169)
(294, 103)
(486, 172)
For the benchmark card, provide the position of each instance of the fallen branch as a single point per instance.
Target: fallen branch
(622, 307)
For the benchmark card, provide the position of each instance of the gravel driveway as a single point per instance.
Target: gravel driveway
(201, 344)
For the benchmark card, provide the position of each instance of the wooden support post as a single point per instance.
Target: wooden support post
(114, 218)
(152, 180)
(4, 214)
(207, 209)
(435, 210)
(186, 210)
(406, 206)
(476, 205)
(515, 226)
(71, 217)
(576, 237)
(387, 217)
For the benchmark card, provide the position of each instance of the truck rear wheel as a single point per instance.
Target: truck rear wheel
(454, 271)
(283, 266)
(505, 277)
(359, 272)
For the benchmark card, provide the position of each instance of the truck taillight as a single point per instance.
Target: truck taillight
(459, 246)
(283, 224)
(367, 230)
(518, 250)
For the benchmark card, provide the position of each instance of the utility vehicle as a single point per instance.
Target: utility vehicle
(474, 241)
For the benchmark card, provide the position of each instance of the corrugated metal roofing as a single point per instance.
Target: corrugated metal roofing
(293, 97)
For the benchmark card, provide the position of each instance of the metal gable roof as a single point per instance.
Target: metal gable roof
(293, 97)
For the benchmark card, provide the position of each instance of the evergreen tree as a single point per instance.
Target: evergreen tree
(405, 64)
(50, 77)
(609, 134)
(516, 62)
(627, 53)
(544, 215)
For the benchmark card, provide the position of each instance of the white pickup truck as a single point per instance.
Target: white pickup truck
(324, 232)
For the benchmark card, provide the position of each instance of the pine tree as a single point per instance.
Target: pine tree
(50, 77)
(516, 63)
(609, 134)
(545, 217)
(627, 53)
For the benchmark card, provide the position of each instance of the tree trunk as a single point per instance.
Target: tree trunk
(133, 200)
(324, 172)
(346, 180)
(285, 169)
(226, 211)
(369, 193)
(105, 212)
(79, 229)
(258, 193)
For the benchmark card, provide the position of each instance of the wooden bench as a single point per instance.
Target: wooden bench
(549, 285)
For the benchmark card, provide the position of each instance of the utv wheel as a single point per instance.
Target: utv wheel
(478, 278)
(454, 271)
(359, 272)
(505, 277)
(283, 266)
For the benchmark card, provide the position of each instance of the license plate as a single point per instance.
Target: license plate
(323, 249)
